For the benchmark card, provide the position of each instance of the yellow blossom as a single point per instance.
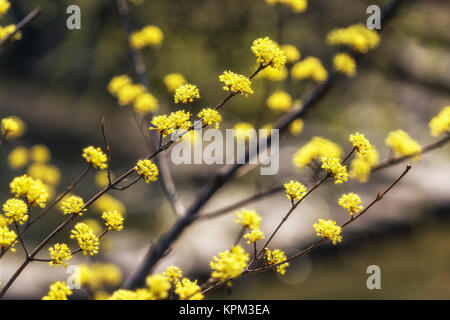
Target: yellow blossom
(309, 68)
(188, 290)
(210, 117)
(362, 164)
(277, 256)
(95, 157)
(296, 6)
(351, 202)
(441, 123)
(173, 81)
(108, 202)
(291, 52)
(159, 286)
(49, 174)
(268, 53)
(254, 236)
(7, 30)
(73, 205)
(147, 169)
(117, 83)
(145, 103)
(86, 238)
(230, 263)
(18, 158)
(273, 74)
(40, 153)
(128, 94)
(16, 211)
(359, 142)
(295, 190)
(181, 119)
(113, 220)
(403, 145)
(33, 190)
(13, 127)
(334, 166)
(236, 83)
(244, 130)
(296, 127)
(59, 255)
(148, 36)
(186, 93)
(163, 124)
(99, 275)
(328, 229)
(8, 238)
(4, 7)
(101, 178)
(248, 218)
(358, 37)
(315, 149)
(279, 101)
(58, 291)
(345, 64)
(173, 273)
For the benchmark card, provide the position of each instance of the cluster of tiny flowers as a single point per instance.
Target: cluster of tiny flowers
(95, 157)
(277, 256)
(188, 290)
(248, 219)
(86, 238)
(8, 238)
(358, 37)
(210, 117)
(309, 68)
(441, 123)
(243, 130)
(295, 5)
(272, 74)
(186, 93)
(315, 149)
(360, 143)
(113, 220)
(148, 36)
(229, 264)
(296, 127)
(99, 275)
(361, 166)
(254, 236)
(344, 63)
(328, 229)
(4, 7)
(73, 205)
(173, 81)
(291, 52)
(147, 169)
(16, 211)
(351, 202)
(9, 125)
(279, 101)
(268, 53)
(173, 274)
(33, 190)
(12, 127)
(59, 255)
(236, 83)
(158, 285)
(402, 144)
(7, 30)
(334, 166)
(295, 190)
(58, 291)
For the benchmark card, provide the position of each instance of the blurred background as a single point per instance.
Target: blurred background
(56, 80)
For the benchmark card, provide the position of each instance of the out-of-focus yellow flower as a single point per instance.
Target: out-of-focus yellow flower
(279, 101)
(291, 52)
(173, 81)
(40, 153)
(128, 94)
(315, 149)
(108, 202)
(248, 218)
(273, 74)
(58, 291)
(98, 275)
(345, 64)
(7, 30)
(358, 37)
(8, 238)
(18, 158)
(268, 53)
(309, 68)
(441, 123)
(49, 174)
(328, 229)
(362, 164)
(296, 127)
(14, 127)
(230, 263)
(101, 178)
(148, 36)
(117, 83)
(4, 7)
(244, 130)
(158, 285)
(34, 190)
(145, 103)
(403, 145)
(296, 6)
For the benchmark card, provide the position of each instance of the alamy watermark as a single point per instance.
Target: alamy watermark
(374, 280)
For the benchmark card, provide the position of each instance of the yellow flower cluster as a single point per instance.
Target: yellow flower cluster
(9, 125)
(86, 238)
(236, 83)
(147, 169)
(248, 218)
(344, 63)
(296, 6)
(188, 290)
(230, 263)
(58, 291)
(441, 123)
(279, 101)
(295, 190)
(108, 202)
(145, 103)
(4, 7)
(351, 202)
(148, 36)
(173, 81)
(243, 130)
(309, 68)
(268, 53)
(8, 238)
(360, 143)
(159, 286)
(186, 93)
(13, 127)
(40, 153)
(296, 127)
(18, 158)
(291, 52)
(59, 255)
(99, 275)
(7, 30)
(113, 220)
(101, 178)
(362, 164)
(402, 144)
(334, 166)
(315, 149)
(95, 157)
(73, 205)
(254, 236)
(328, 229)
(358, 37)
(210, 117)
(33, 190)
(273, 74)
(277, 256)
(16, 211)
(173, 274)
